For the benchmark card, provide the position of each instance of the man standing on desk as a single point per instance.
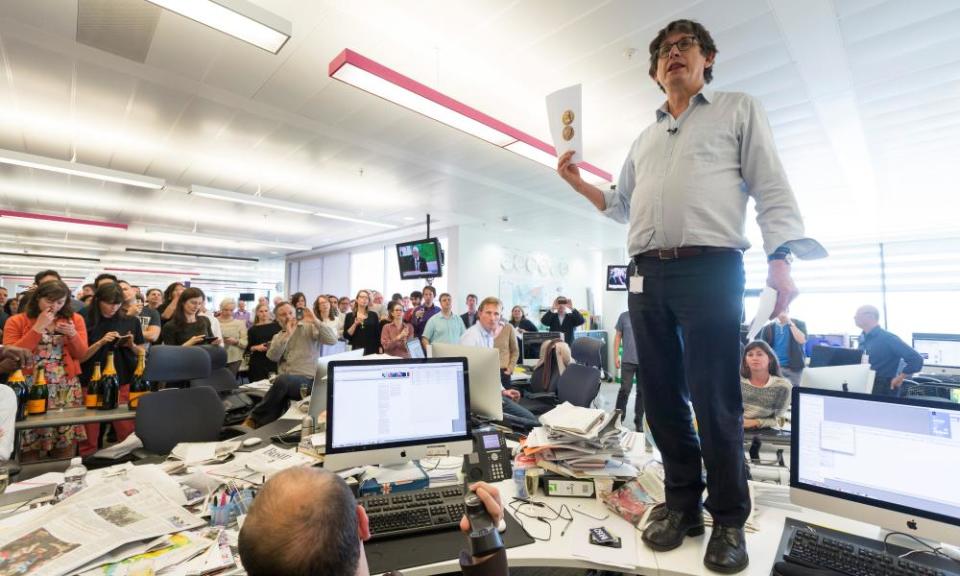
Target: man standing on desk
(684, 188)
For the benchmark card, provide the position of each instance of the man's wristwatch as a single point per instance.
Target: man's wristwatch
(781, 253)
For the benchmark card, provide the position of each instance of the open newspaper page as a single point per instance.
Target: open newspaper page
(88, 525)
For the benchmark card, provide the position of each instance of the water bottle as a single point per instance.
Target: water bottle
(74, 479)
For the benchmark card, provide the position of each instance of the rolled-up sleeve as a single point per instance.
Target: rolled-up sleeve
(618, 201)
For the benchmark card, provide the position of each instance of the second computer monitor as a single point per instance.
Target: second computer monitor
(832, 356)
(483, 366)
(531, 343)
(853, 378)
(318, 397)
(393, 411)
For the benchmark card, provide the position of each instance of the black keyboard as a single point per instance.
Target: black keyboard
(414, 511)
(824, 552)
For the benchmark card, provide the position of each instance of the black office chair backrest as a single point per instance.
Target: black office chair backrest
(174, 363)
(579, 385)
(221, 378)
(587, 351)
(166, 418)
(914, 389)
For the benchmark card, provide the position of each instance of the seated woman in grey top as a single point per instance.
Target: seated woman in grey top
(766, 394)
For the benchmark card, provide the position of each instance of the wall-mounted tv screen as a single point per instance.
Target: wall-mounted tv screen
(617, 278)
(419, 259)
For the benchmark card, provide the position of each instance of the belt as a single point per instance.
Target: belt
(683, 252)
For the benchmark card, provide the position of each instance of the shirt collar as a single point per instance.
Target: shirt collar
(705, 95)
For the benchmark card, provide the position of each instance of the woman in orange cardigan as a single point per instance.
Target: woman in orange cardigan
(57, 338)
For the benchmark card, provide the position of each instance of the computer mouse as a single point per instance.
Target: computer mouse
(251, 442)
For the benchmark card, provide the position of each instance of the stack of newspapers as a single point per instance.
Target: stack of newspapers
(578, 442)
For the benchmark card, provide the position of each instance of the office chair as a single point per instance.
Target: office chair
(176, 365)
(932, 391)
(587, 351)
(579, 385)
(221, 379)
(166, 418)
(925, 379)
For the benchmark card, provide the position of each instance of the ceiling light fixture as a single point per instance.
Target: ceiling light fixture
(196, 238)
(76, 169)
(238, 18)
(62, 219)
(217, 194)
(375, 78)
(193, 254)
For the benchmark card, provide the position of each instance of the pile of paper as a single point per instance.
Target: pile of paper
(576, 441)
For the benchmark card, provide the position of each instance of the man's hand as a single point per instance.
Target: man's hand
(778, 278)
(750, 423)
(308, 315)
(618, 362)
(291, 325)
(511, 394)
(897, 381)
(12, 357)
(490, 497)
(569, 171)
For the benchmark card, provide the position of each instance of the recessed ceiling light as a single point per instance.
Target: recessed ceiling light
(238, 18)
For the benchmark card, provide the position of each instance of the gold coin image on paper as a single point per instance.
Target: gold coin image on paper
(568, 133)
(567, 117)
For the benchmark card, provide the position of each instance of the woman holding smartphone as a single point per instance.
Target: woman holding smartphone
(57, 339)
(186, 327)
(111, 329)
(361, 328)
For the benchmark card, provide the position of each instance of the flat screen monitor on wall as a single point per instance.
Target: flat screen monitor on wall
(248, 296)
(617, 278)
(420, 259)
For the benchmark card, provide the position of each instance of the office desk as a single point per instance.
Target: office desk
(76, 416)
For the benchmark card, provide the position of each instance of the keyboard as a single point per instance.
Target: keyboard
(845, 557)
(414, 511)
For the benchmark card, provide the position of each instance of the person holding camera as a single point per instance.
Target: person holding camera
(295, 349)
(563, 317)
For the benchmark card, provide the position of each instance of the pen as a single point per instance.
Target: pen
(567, 525)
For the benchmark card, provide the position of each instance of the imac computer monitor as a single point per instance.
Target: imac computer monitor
(833, 356)
(940, 352)
(531, 343)
(878, 459)
(853, 378)
(617, 278)
(419, 259)
(393, 411)
(483, 367)
(318, 396)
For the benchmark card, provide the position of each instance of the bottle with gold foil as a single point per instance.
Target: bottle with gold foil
(92, 394)
(21, 390)
(109, 386)
(39, 394)
(139, 386)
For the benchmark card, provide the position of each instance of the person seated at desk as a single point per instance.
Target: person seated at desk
(295, 349)
(306, 522)
(555, 356)
(765, 392)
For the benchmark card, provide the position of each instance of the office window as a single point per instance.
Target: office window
(366, 270)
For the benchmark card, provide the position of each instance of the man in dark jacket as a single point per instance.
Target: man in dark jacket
(563, 318)
(306, 522)
(787, 336)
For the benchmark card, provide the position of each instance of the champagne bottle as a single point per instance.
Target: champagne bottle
(93, 388)
(21, 390)
(39, 394)
(109, 386)
(139, 386)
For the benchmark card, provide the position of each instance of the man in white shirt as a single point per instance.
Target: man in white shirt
(482, 335)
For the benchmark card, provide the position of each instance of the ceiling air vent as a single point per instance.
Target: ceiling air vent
(121, 27)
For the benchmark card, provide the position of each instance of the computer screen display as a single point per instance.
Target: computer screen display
(387, 403)
(830, 356)
(531, 343)
(617, 278)
(890, 453)
(419, 259)
(941, 350)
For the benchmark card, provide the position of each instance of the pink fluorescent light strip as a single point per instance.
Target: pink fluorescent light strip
(350, 58)
(65, 219)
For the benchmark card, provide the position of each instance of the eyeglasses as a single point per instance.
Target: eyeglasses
(682, 45)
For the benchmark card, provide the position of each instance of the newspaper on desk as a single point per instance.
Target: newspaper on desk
(89, 525)
(254, 467)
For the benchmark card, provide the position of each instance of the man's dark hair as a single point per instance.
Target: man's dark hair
(109, 293)
(447, 294)
(154, 290)
(90, 286)
(474, 296)
(51, 290)
(39, 275)
(695, 29)
(431, 289)
(416, 294)
(397, 296)
(289, 535)
(104, 276)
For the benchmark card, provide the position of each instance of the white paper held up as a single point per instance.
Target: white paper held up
(566, 121)
(768, 300)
